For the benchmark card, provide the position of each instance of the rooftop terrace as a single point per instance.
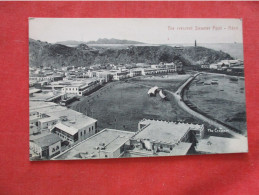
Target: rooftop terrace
(163, 131)
(73, 118)
(110, 138)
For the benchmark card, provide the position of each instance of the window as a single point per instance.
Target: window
(92, 127)
(89, 129)
(85, 131)
(53, 149)
(57, 147)
(81, 133)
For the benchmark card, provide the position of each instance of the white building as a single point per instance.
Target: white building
(45, 146)
(73, 126)
(108, 143)
(171, 135)
(136, 72)
(80, 88)
(119, 75)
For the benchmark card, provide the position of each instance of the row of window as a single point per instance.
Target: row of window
(74, 89)
(90, 129)
(64, 137)
(55, 149)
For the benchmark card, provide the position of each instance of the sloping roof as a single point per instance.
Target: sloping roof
(152, 90)
(161, 94)
(69, 130)
(47, 140)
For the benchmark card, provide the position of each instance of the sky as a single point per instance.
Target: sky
(152, 31)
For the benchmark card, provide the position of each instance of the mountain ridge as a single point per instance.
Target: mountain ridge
(100, 41)
(46, 54)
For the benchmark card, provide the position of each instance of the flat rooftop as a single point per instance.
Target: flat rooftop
(222, 145)
(43, 96)
(163, 131)
(110, 138)
(48, 109)
(39, 135)
(79, 82)
(46, 140)
(47, 119)
(34, 117)
(74, 119)
(181, 149)
(41, 104)
(34, 90)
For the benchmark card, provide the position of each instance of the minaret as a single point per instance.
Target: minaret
(195, 43)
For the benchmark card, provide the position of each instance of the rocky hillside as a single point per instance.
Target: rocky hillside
(45, 54)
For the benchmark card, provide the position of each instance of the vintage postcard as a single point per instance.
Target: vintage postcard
(116, 88)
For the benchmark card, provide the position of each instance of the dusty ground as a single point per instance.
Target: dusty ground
(225, 101)
(169, 82)
(121, 105)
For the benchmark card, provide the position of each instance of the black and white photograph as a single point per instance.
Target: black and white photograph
(135, 87)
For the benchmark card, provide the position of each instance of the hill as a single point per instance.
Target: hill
(69, 42)
(45, 54)
(113, 41)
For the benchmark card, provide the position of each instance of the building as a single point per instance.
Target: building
(217, 145)
(214, 66)
(205, 66)
(34, 127)
(45, 146)
(171, 66)
(73, 126)
(152, 91)
(108, 143)
(106, 75)
(119, 75)
(136, 72)
(162, 95)
(165, 138)
(45, 109)
(81, 87)
(68, 124)
(46, 95)
(45, 77)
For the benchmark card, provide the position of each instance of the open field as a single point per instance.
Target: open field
(224, 101)
(121, 105)
(169, 82)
